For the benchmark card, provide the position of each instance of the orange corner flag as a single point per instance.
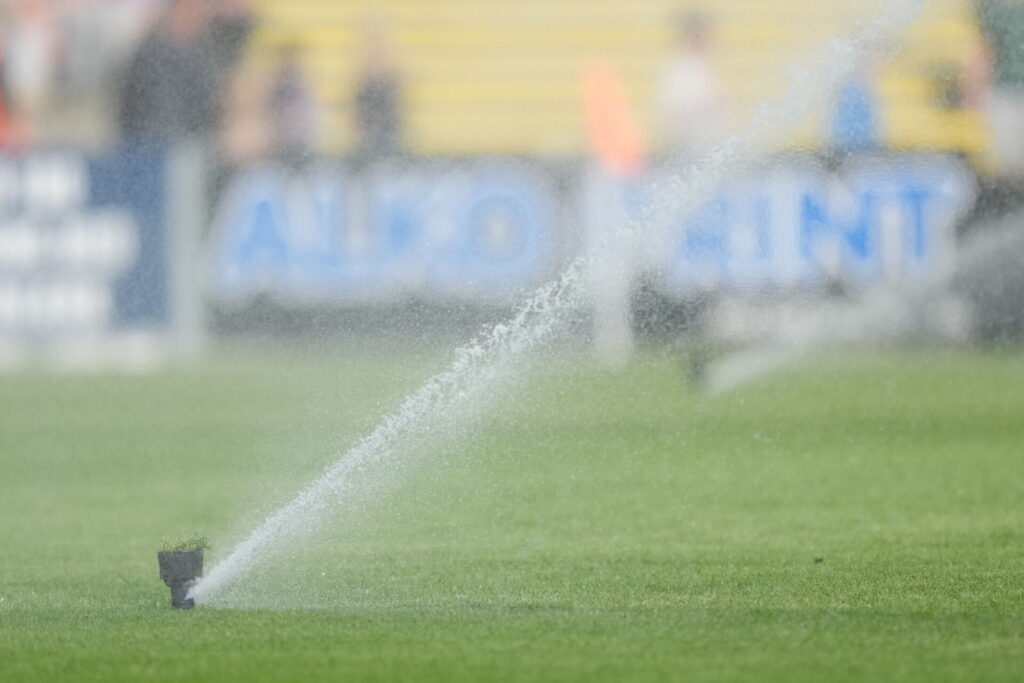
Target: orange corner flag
(611, 127)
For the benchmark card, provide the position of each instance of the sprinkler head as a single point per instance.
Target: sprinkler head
(180, 569)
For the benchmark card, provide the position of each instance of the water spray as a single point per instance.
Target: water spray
(480, 366)
(886, 313)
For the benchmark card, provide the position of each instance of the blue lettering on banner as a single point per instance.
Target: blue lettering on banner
(477, 230)
(488, 230)
(799, 225)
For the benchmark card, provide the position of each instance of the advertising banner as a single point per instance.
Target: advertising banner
(82, 245)
(801, 225)
(473, 230)
(481, 231)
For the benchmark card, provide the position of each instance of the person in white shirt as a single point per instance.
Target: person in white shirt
(689, 103)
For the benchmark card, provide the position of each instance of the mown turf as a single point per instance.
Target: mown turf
(599, 525)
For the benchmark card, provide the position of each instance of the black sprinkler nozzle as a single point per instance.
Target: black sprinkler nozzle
(180, 569)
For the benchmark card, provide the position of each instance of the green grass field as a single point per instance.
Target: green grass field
(598, 525)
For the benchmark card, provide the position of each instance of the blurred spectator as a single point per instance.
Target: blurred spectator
(1002, 25)
(378, 95)
(231, 22)
(292, 109)
(690, 103)
(81, 59)
(95, 38)
(168, 91)
(30, 57)
(854, 125)
(246, 131)
(10, 127)
(175, 80)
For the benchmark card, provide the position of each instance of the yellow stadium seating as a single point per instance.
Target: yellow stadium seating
(490, 76)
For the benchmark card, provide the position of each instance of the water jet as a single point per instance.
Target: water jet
(491, 360)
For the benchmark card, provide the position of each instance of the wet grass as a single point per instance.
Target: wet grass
(854, 519)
